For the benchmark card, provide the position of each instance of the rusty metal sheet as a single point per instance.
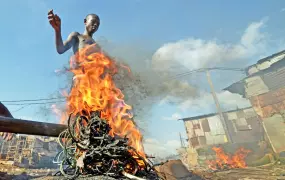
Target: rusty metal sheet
(272, 97)
(273, 109)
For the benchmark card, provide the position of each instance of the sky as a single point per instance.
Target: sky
(184, 33)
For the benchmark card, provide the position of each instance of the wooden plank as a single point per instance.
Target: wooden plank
(20, 126)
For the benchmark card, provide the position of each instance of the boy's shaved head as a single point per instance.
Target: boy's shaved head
(92, 23)
(95, 16)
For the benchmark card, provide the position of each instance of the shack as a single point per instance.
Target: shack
(207, 131)
(264, 86)
(243, 124)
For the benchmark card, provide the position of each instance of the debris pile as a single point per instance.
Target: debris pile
(89, 149)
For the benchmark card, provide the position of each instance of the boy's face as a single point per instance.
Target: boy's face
(92, 23)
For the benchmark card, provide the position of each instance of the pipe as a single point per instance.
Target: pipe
(19, 126)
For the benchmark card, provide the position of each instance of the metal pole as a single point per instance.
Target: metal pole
(218, 106)
(181, 141)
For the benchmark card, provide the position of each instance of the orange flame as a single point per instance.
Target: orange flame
(94, 89)
(224, 160)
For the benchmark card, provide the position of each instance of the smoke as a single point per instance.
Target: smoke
(144, 87)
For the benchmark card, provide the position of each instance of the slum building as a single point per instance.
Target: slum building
(264, 86)
(207, 131)
(29, 151)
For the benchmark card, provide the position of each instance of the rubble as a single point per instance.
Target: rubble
(272, 172)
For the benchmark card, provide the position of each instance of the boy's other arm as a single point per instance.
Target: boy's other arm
(55, 22)
(62, 47)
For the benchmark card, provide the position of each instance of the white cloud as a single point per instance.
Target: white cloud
(161, 149)
(198, 53)
(205, 102)
(194, 53)
(283, 9)
(173, 144)
(174, 116)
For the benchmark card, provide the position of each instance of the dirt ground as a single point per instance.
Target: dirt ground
(274, 172)
(270, 172)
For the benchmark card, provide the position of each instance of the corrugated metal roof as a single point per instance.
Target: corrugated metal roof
(212, 114)
(270, 76)
(275, 80)
(268, 58)
(279, 65)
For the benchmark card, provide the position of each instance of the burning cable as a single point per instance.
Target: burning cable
(93, 151)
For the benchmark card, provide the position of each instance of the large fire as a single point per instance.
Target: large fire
(226, 161)
(94, 90)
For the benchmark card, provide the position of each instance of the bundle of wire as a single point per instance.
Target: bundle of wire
(88, 149)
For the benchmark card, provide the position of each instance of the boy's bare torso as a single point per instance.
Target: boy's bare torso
(81, 41)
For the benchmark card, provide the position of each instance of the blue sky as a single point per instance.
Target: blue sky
(29, 59)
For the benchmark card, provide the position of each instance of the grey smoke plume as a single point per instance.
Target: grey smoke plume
(145, 86)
